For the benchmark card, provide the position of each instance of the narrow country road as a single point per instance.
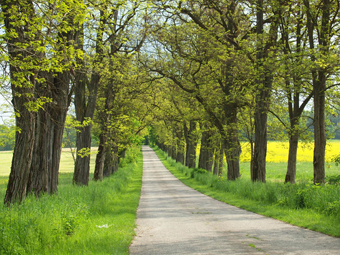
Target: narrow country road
(175, 219)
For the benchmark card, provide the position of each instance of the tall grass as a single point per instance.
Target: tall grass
(98, 219)
(302, 199)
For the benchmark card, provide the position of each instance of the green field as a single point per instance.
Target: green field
(66, 162)
(5, 162)
(277, 171)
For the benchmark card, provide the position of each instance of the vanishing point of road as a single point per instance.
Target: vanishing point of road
(175, 219)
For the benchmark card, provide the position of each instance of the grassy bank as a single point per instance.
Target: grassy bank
(303, 204)
(98, 219)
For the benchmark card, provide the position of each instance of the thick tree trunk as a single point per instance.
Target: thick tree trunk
(111, 162)
(104, 117)
(108, 166)
(61, 102)
(292, 154)
(100, 158)
(264, 86)
(22, 155)
(220, 165)
(206, 153)
(319, 99)
(260, 148)
(41, 158)
(85, 107)
(22, 93)
(82, 165)
(49, 122)
(319, 130)
(232, 153)
(180, 147)
(203, 156)
(210, 161)
(84, 111)
(216, 162)
(49, 126)
(191, 145)
(232, 144)
(58, 130)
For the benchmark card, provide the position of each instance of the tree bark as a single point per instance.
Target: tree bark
(293, 95)
(82, 165)
(319, 130)
(206, 155)
(220, 166)
(180, 146)
(49, 134)
(41, 158)
(85, 107)
(23, 150)
(319, 100)
(191, 144)
(232, 143)
(319, 86)
(216, 162)
(104, 119)
(262, 100)
(292, 155)
(21, 95)
(108, 166)
(100, 158)
(111, 163)
(49, 122)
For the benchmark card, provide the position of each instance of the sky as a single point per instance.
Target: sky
(5, 110)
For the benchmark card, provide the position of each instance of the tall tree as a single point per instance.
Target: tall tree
(322, 19)
(114, 18)
(39, 38)
(22, 91)
(50, 121)
(85, 101)
(295, 82)
(265, 52)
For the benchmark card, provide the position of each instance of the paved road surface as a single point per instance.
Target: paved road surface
(175, 219)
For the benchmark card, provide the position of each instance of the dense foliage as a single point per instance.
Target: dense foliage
(214, 73)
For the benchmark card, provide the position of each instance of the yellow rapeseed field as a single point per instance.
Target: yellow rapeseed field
(278, 151)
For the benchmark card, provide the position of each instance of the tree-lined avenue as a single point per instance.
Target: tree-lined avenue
(175, 219)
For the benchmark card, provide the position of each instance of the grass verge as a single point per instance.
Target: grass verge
(98, 219)
(313, 207)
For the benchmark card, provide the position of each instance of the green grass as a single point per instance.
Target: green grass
(277, 171)
(303, 204)
(98, 219)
